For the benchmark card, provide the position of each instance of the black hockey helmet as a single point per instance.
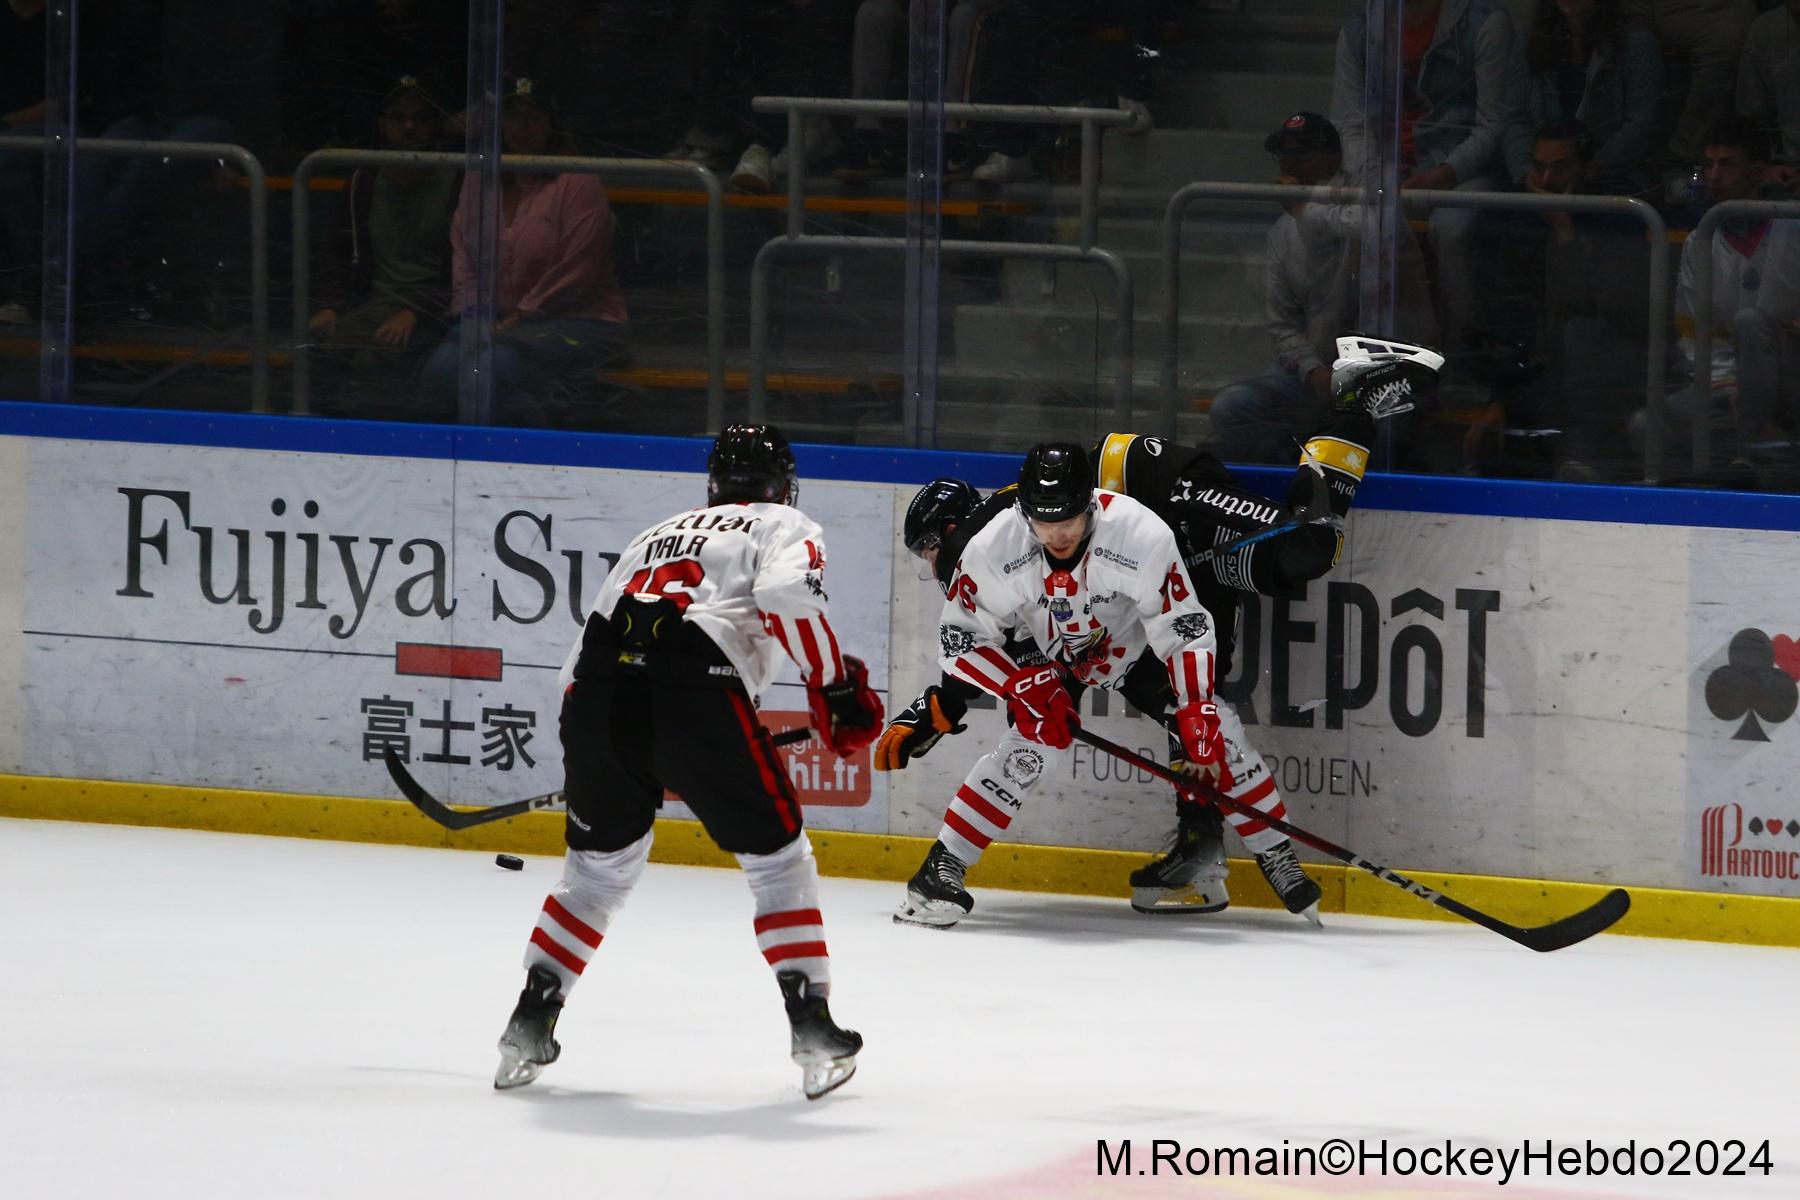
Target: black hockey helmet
(751, 462)
(939, 505)
(1056, 482)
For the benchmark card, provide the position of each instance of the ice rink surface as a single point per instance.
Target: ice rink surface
(199, 1015)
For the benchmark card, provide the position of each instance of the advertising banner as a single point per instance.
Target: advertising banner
(249, 619)
(1589, 701)
(1743, 681)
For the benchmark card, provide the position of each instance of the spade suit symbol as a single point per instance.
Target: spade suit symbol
(1750, 685)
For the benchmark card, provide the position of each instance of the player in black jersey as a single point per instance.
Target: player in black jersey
(1208, 512)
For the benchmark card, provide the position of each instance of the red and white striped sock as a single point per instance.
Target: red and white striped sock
(790, 931)
(578, 911)
(993, 794)
(1258, 837)
(971, 824)
(562, 942)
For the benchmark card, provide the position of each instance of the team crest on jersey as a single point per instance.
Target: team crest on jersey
(1022, 766)
(1061, 609)
(955, 642)
(1189, 626)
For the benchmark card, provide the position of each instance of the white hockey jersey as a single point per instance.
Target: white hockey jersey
(751, 576)
(1128, 590)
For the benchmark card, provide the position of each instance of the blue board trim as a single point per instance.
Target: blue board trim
(870, 464)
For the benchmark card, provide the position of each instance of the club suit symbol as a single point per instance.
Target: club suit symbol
(1757, 680)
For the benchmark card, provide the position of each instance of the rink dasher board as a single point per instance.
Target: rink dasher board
(1482, 694)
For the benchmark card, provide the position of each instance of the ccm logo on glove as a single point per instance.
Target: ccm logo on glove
(1041, 709)
(1200, 738)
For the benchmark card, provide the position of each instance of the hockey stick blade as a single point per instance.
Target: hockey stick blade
(1577, 927)
(455, 819)
(449, 817)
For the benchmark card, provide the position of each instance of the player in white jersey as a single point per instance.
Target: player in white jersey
(1095, 579)
(1204, 508)
(659, 691)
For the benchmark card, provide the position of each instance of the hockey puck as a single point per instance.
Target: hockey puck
(511, 862)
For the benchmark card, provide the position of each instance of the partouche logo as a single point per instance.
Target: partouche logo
(1773, 851)
(1759, 679)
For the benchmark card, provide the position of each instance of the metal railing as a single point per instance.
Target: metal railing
(1703, 302)
(1091, 120)
(1043, 251)
(1656, 332)
(559, 164)
(259, 226)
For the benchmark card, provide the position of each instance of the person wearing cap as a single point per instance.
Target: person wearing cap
(387, 276)
(559, 308)
(1311, 295)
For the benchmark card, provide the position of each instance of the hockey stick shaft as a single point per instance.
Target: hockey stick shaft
(1317, 508)
(1249, 539)
(455, 819)
(1554, 936)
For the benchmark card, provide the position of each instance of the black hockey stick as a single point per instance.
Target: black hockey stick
(1577, 927)
(451, 818)
(1317, 508)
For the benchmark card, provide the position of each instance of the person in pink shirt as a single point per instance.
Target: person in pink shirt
(559, 307)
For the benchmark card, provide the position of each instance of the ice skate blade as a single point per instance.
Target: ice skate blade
(820, 1075)
(1311, 913)
(933, 914)
(1189, 898)
(515, 1073)
(927, 916)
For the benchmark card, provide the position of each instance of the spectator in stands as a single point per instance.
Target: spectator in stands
(1311, 295)
(1456, 58)
(1568, 291)
(1705, 37)
(559, 307)
(387, 282)
(747, 48)
(1584, 62)
(1768, 87)
(1755, 303)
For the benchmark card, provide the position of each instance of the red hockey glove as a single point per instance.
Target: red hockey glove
(847, 714)
(1041, 709)
(917, 729)
(1201, 741)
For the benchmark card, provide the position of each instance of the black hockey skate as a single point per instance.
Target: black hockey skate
(1190, 876)
(527, 1046)
(935, 896)
(1292, 885)
(825, 1053)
